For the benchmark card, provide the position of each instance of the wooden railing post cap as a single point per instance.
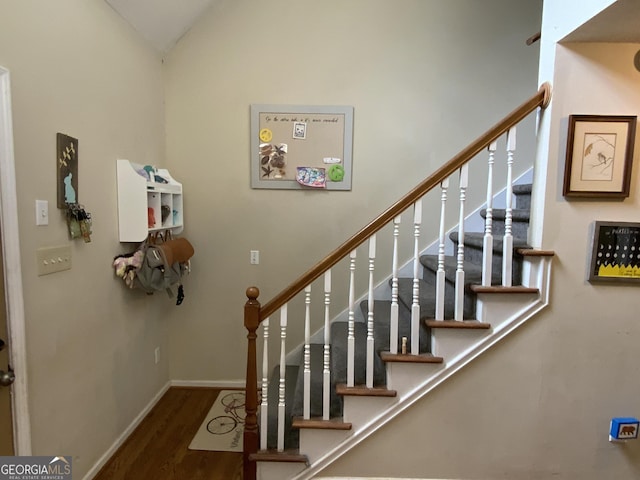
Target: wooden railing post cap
(253, 293)
(545, 88)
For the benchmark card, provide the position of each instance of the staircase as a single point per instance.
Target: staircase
(394, 348)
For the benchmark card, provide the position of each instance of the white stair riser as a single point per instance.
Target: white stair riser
(360, 410)
(532, 269)
(498, 308)
(315, 442)
(278, 470)
(450, 343)
(401, 377)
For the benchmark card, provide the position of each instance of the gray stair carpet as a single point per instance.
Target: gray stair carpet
(291, 439)
(473, 242)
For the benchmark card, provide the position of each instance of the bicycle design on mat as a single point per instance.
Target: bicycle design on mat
(234, 409)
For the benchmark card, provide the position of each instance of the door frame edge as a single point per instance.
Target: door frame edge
(13, 273)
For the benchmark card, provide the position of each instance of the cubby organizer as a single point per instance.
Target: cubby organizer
(144, 205)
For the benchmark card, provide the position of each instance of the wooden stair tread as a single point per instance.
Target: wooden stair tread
(532, 252)
(500, 289)
(463, 324)
(320, 424)
(289, 456)
(363, 391)
(408, 358)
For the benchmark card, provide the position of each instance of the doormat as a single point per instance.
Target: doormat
(223, 426)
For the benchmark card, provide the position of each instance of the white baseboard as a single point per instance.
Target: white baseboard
(234, 384)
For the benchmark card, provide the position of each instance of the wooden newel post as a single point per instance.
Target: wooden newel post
(251, 436)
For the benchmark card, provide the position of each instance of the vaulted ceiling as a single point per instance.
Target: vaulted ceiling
(163, 22)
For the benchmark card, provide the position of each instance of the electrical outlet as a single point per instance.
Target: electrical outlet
(255, 257)
(53, 259)
(156, 354)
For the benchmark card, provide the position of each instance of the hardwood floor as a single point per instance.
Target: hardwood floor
(158, 448)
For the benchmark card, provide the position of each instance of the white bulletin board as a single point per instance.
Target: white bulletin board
(301, 147)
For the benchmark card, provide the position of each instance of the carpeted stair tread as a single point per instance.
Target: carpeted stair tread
(517, 214)
(476, 240)
(523, 195)
(316, 380)
(339, 333)
(522, 189)
(382, 326)
(472, 271)
(427, 300)
(519, 221)
(291, 440)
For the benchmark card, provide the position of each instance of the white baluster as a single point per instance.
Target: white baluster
(507, 245)
(306, 406)
(351, 335)
(283, 367)
(264, 403)
(393, 321)
(440, 273)
(415, 304)
(370, 342)
(459, 291)
(487, 247)
(326, 371)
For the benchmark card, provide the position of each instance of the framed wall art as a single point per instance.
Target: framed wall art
(599, 156)
(67, 168)
(615, 252)
(301, 147)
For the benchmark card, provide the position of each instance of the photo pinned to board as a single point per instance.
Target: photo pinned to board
(273, 160)
(311, 177)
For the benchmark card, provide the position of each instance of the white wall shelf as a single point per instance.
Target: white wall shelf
(141, 201)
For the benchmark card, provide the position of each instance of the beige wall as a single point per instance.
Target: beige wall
(425, 78)
(77, 68)
(538, 406)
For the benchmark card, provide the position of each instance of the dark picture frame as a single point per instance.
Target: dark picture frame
(67, 170)
(599, 156)
(615, 253)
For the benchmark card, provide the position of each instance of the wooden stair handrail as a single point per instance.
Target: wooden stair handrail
(533, 38)
(540, 99)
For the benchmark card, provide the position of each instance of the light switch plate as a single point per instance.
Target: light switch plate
(42, 212)
(53, 259)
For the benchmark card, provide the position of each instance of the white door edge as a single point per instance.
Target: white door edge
(13, 273)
